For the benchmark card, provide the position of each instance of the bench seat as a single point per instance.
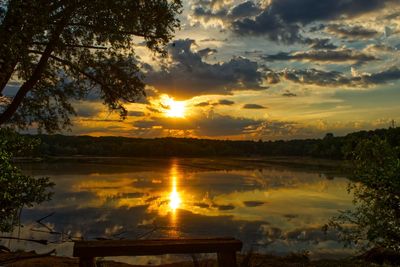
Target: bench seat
(225, 248)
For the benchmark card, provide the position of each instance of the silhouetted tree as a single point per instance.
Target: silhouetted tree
(60, 50)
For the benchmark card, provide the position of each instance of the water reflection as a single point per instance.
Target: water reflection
(276, 209)
(174, 199)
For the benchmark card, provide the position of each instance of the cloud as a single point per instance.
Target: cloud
(206, 125)
(322, 44)
(212, 4)
(277, 130)
(253, 106)
(351, 32)
(381, 77)
(202, 104)
(222, 102)
(289, 94)
(88, 110)
(153, 109)
(338, 55)
(188, 75)
(166, 123)
(224, 207)
(283, 20)
(222, 15)
(245, 9)
(136, 113)
(224, 125)
(381, 48)
(206, 52)
(334, 78)
(271, 26)
(252, 204)
(225, 102)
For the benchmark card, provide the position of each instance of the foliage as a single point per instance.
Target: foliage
(329, 147)
(375, 220)
(16, 189)
(54, 52)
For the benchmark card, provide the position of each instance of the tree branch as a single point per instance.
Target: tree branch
(76, 45)
(131, 32)
(37, 72)
(72, 66)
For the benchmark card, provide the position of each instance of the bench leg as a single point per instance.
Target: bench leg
(87, 262)
(227, 259)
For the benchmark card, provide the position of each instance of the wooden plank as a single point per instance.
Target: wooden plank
(154, 247)
(227, 259)
(87, 262)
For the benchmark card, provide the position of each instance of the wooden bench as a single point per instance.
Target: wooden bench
(225, 248)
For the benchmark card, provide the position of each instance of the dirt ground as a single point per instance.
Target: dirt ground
(25, 259)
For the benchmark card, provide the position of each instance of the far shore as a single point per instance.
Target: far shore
(202, 163)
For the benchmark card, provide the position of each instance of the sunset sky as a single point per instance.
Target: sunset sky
(273, 69)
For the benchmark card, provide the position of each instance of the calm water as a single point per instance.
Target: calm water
(271, 208)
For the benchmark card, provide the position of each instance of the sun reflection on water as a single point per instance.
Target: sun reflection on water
(174, 197)
(175, 200)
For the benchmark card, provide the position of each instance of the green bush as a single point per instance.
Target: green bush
(16, 189)
(375, 220)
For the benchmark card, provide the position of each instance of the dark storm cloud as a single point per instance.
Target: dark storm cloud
(253, 106)
(282, 20)
(189, 75)
(351, 32)
(334, 78)
(338, 55)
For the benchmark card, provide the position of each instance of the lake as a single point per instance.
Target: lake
(272, 206)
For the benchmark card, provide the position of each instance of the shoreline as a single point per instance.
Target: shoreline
(23, 259)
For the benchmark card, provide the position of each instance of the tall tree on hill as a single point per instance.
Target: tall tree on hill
(54, 51)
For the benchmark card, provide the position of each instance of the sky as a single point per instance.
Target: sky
(273, 69)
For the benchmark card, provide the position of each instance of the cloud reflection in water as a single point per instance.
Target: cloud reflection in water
(270, 208)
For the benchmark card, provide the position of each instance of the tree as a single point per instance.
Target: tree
(16, 189)
(56, 51)
(375, 220)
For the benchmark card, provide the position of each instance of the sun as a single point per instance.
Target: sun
(172, 108)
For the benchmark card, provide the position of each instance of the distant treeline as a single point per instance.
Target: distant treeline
(328, 147)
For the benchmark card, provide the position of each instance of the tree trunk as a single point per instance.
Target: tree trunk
(38, 71)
